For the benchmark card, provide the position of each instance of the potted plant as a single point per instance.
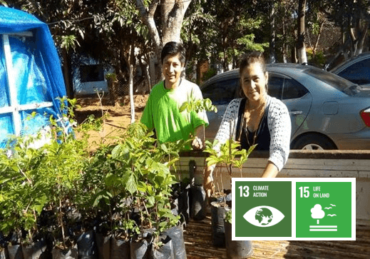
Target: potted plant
(23, 193)
(130, 183)
(198, 195)
(229, 155)
(235, 249)
(147, 179)
(62, 190)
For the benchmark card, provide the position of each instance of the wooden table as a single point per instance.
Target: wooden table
(198, 242)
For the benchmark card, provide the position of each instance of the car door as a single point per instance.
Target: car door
(295, 96)
(221, 94)
(298, 100)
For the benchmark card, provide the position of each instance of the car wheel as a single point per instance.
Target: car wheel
(313, 142)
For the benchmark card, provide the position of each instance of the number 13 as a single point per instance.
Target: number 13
(245, 189)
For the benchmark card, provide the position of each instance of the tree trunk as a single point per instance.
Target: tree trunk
(284, 50)
(361, 37)
(172, 16)
(147, 72)
(354, 42)
(67, 74)
(301, 48)
(294, 55)
(318, 39)
(131, 81)
(272, 32)
(113, 90)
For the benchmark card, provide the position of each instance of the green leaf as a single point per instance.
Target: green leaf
(150, 201)
(164, 147)
(184, 106)
(142, 187)
(131, 184)
(150, 190)
(102, 195)
(163, 224)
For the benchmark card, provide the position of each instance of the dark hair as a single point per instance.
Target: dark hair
(250, 58)
(245, 61)
(173, 48)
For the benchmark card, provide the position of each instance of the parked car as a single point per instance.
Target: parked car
(327, 111)
(356, 70)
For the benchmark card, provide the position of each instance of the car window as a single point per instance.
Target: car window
(331, 79)
(292, 89)
(275, 85)
(358, 73)
(221, 92)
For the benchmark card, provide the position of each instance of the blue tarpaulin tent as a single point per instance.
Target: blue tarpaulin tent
(30, 74)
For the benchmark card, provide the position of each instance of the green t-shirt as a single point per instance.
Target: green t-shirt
(162, 112)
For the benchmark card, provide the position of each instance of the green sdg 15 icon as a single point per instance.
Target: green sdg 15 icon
(262, 209)
(324, 210)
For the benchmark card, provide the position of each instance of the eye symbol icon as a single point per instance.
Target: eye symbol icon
(263, 216)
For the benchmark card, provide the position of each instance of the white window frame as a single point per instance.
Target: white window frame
(15, 108)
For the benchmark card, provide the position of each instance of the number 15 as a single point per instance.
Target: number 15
(304, 192)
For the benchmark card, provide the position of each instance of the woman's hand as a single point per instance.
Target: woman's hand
(271, 171)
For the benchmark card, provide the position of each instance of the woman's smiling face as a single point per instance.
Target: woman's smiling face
(254, 81)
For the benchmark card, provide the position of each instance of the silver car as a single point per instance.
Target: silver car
(356, 70)
(327, 111)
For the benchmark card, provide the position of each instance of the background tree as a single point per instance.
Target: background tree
(104, 30)
(126, 34)
(164, 27)
(286, 13)
(352, 17)
(301, 46)
(197, 33)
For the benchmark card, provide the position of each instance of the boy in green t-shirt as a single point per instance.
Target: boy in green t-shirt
(162, 111)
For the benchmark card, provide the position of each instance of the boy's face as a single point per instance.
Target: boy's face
(172, 69)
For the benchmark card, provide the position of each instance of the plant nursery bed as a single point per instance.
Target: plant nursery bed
(198, 242)
(306, 164)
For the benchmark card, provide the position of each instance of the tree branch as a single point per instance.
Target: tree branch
(140, 5)
(173, 13)
(153, 8)
(148, 18)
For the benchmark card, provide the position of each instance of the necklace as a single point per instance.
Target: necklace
(259, 123)
(246, 131)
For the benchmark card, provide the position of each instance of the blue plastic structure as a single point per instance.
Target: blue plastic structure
(30, 74)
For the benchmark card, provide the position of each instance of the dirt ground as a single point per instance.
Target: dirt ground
(118, 119)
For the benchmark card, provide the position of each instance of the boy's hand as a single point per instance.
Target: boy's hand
(208, 185)
(197, 144)
(198, 141)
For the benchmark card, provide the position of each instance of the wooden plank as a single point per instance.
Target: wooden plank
(256, 172)
(305, 154)
(322, 250)
(296, 163)
(199, 245)
(296, 167)
(286, 172)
